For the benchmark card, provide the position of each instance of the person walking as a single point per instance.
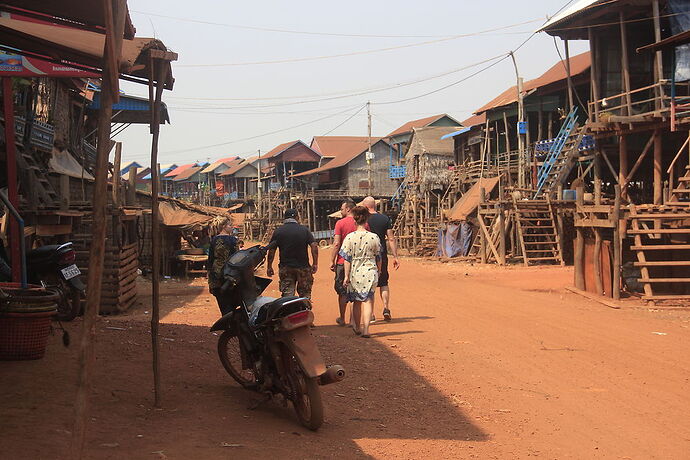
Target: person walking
(343, 227)
(383, 227)
(294, 270)
(221, 247)
(361, 251)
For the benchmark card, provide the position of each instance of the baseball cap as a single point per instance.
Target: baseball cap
(290, 214)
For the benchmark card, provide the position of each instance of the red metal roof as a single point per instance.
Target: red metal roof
(422, 122)
(187, 173)
(341, 150)
(475, 120)
(279, 149)
(578, 65)
(179, 170)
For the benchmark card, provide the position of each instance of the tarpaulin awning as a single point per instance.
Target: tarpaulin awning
(75, 47)
(469, 202)
(62, 162)
(174, 215)
(131, 109)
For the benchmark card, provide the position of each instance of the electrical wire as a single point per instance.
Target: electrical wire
(353, 53)
(346, 120)
(220, 144)
(300, 32)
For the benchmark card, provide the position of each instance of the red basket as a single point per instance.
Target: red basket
(24, 335)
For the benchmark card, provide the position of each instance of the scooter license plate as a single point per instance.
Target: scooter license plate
(70, 272)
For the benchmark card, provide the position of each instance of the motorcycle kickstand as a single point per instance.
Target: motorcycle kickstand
(267, 396)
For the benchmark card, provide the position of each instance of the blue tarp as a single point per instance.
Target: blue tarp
(456, 133)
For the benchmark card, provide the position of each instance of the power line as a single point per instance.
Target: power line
(299, 32)
(346, 120)
(355, 53)
(220, 144)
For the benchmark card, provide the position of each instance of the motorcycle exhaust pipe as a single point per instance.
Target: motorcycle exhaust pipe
(333, 374)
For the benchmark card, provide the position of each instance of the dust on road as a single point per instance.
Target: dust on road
(479, 362)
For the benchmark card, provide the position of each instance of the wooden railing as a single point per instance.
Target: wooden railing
(636, 105)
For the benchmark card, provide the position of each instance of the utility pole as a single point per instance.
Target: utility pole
(521, 127)
(369, 155)
(258, 185)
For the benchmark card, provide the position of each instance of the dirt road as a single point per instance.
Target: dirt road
(479, 362)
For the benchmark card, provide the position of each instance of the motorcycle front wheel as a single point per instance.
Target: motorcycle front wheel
(69, 305)
(232, 355)
(306, 396)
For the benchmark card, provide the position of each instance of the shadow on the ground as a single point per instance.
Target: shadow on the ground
(205, 413)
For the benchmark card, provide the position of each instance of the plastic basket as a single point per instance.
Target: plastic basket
(24, 335)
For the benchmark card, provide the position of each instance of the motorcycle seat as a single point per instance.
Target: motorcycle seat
(278, 308)
(43, 250)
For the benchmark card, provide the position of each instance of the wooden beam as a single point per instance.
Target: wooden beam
(579, 246)
(623, 165)
(658, 59)
(617, 244)
(568, 78)
(594, 71)
(639, 160)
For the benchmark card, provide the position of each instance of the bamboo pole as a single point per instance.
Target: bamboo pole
(115, 20)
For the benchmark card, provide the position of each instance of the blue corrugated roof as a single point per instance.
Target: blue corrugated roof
(456, 133)
(126, 103)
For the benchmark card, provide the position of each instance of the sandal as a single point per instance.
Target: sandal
(365, 336)
(339, 321)
(357, 331)
(387, 314)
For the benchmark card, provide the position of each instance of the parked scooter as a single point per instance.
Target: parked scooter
(52, 266)
(266, 344)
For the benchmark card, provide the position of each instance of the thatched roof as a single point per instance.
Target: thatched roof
(428, 141)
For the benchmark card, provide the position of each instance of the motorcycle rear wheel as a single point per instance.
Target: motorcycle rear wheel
(230, 354)
(69, 305)
(306, 397)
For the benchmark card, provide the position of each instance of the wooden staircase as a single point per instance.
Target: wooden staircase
(268, 234)
(38, 190)
(537, 231)
(680, 196)
(662, 245)
(428, 240)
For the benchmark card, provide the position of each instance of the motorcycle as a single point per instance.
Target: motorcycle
(53, 267)
(266, 344)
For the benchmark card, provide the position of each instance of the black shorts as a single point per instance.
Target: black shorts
(339, 278)
(383, 276)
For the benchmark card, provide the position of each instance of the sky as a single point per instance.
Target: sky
(252, 75)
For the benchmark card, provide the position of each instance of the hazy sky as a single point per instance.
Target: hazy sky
(215, 109)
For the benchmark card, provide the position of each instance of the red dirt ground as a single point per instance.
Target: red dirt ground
(479, 362)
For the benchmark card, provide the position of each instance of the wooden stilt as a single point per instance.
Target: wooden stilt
(114, 11)
(623, 165)
(617, 244)
(658, 179)
(580, 247)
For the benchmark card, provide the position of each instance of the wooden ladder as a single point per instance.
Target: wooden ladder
(268, 234)
(680, 196)
(653, 229)
(563, 164)
(537, 231)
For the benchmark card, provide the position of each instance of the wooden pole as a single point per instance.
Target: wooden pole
(658, 179)
(625, 64)
(482, 236)
(116, 195)
(159, 72)
(598, 283)
(501, 232)
(132, 186)
(12, 187)
(623, 164)
(580, 246)
(567, 72)
(658, 60)
(617, 244)
(115, 21)
(594, 72)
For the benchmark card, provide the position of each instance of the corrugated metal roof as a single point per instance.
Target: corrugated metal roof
(341, 150)
(179, 170)
(237, 166)
(218, 163)
(475, 120)
(573, 10)
(280, 149)
(187, 173)
(407, 127)
(578, 65)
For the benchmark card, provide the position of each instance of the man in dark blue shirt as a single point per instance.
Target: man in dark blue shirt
(294, 270)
